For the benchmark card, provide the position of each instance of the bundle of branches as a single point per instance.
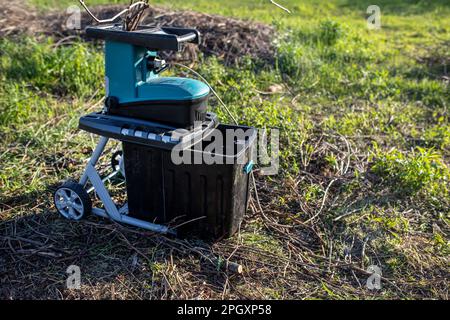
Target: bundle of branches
(227, 38)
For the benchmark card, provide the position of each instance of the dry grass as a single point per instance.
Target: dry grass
(290, 251)
(312, 234)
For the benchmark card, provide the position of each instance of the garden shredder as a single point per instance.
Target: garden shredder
(154, 117)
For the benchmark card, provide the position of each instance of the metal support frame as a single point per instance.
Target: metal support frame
(111, 210)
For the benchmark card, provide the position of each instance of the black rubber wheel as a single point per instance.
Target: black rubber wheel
(72, 201)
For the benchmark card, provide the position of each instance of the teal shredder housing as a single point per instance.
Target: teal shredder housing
(129, 79)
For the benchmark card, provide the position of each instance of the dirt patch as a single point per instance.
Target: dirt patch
(227, 38)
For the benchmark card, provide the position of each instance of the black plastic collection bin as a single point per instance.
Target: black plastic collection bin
(204, 200)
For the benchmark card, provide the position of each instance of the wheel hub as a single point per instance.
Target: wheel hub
(69, 203)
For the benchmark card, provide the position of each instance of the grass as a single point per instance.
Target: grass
(365, 149)
(419, 170)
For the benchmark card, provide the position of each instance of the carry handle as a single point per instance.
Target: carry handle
(187, 37)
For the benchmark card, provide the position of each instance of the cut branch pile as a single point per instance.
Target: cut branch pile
(227, 38)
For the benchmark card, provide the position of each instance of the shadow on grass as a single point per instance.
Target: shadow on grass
(434, 65)
(116, 262)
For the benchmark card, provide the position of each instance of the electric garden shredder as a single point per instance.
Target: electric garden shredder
(152, 116)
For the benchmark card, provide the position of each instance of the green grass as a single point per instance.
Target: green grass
(419, 170)
(29, 67)
(365, 142)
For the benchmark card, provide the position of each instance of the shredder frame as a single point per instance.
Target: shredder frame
(111, 209)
